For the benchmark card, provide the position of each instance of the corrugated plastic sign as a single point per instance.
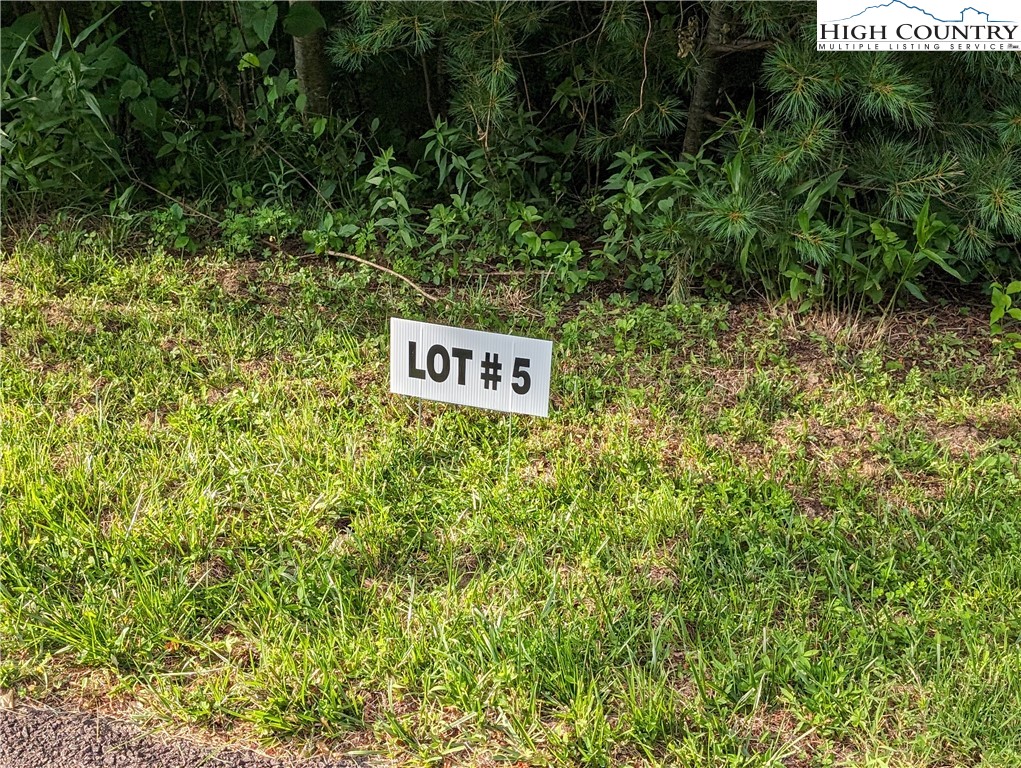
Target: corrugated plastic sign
(463, 367)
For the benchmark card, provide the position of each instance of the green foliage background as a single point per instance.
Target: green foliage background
(538, 136)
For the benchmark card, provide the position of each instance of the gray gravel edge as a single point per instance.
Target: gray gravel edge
(31, 737)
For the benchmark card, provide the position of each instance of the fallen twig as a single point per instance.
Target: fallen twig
(381, 268)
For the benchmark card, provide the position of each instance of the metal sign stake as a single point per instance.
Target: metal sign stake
(418, 431)
(506, 469)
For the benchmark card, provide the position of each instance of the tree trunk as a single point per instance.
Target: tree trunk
(704, 93)
(313, 68)
(49, 12)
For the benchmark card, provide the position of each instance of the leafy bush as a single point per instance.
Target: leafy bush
(1007, 311)
(58, 106)
(539, 136)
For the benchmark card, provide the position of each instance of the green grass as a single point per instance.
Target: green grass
(741, 539)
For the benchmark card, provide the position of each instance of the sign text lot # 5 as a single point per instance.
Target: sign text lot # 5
(464, 367)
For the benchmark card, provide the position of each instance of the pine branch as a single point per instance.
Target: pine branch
(738, 46)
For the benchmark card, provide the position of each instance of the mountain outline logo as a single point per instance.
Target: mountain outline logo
(904, 5)
(918, 25)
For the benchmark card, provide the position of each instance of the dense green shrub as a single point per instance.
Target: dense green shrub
(538, 136)
(58, 105)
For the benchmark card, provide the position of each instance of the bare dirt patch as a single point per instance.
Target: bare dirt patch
(236, 279)
(812, 508)
(937, 341)
(831, 450)
(243, 279)
(12, 292)
(967, 439)
(960, 440)
(1000, 420)
(58, 315)
(261, 368)
(209, 572)
(917, 492)
(780, 731)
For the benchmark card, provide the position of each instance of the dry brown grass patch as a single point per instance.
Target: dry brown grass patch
(780, 729)
(511, 299)
(209, 572)
(998, 420)
(235, 279)
(12, 293)
(966, 440)
(812, 508)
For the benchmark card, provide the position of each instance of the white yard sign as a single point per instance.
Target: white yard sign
(484, 370)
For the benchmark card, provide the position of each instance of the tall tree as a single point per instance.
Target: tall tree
(704, 92)
(310, 60)
(49, 13)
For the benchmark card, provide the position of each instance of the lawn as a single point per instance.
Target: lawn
(744, 537)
